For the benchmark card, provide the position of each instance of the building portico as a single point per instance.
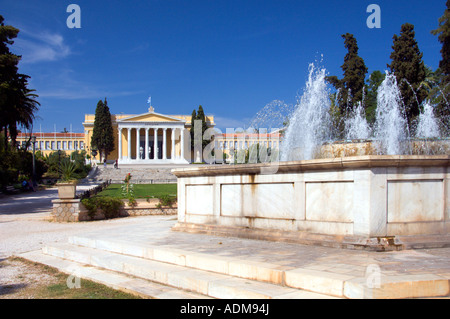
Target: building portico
(148, 138)
(151, 143)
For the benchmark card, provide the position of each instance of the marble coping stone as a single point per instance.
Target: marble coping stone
(366, 161)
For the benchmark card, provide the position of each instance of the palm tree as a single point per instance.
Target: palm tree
(21, 107)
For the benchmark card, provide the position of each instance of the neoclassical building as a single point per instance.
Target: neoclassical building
(47, 143)
(148, 138)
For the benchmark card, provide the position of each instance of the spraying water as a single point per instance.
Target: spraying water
(391, 126)
(427, 126)
(356, 126)
(309, 124)
(272, 116)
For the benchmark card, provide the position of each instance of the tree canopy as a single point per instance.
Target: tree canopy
(351, 86)
(409, 69)
(18, 103)
(103, 136)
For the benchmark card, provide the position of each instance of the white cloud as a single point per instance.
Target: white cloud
(41, 46)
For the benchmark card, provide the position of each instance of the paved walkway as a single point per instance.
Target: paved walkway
(156, 231)
(23, 228)
(24, 222)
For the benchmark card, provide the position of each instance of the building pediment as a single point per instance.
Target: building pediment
(151, 117)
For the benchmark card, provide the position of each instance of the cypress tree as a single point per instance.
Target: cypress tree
(193, 118)
(443, 72)
(102, 135)
(201, 116)
(409, 69)
(352, 84)
(443, 32)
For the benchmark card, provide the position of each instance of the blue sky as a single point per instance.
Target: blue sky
(232, 57)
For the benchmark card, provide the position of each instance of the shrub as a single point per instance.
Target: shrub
(110, 206)
(166, 200)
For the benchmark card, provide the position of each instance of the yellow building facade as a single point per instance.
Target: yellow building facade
(148, 138)
(47, 143)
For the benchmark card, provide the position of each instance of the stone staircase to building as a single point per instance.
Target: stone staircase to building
(140, 174)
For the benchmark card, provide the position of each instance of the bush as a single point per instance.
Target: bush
(110, 206)
(166, 200)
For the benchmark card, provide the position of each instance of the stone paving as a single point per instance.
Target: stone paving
(426, 265)
(429, 268)
(156, 232)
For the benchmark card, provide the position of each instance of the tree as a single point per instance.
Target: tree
(442, 91)
(17, 103)
(198, 115)
(374, 81)
(351, 86)
(409, 69)
(443, 32)
(102, 135)
(202, 117)
(191, 131)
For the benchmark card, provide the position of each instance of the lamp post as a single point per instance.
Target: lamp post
(33, 143)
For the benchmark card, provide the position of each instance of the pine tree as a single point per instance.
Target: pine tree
(352, 84)
(409, 69)
(103, 136)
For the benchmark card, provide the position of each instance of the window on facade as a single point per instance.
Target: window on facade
(70, 145)
(53, 146)
(76, 144)
(64, 145)
(81, 145)
(58, 145)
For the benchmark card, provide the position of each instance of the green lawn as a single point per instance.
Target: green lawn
(141, 190)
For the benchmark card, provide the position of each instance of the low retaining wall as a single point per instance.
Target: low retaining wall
(375, 202)
(72, 210)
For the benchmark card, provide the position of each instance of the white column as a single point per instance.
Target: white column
(146, 143)
(172, 155)
(155, 144)
(182, 143)
(164, 156)
(120, 144)
(137, 142)
(129, 143)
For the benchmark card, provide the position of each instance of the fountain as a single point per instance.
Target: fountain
(380, 190)
(309, 124)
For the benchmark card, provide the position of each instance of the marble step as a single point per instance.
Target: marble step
(319, 281)
(119, 281)
(210, 284)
